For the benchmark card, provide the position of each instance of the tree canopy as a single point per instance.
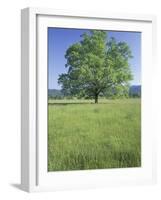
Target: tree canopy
(97, 64)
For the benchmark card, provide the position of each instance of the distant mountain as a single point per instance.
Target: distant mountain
(55, 93)
(135, 91)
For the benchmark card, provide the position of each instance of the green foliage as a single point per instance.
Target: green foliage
(83, 135)
(95, 66)
(119, 91)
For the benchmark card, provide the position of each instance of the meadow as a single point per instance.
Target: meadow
(84, 135)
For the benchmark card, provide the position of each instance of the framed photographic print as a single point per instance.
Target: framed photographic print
(87, 115)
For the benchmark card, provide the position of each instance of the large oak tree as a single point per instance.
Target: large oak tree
(96, 65)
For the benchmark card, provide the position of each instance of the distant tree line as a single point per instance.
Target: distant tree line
(112, 93)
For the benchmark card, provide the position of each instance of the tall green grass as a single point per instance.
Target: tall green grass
(82, 135)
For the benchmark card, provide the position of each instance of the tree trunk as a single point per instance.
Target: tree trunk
(96, 98)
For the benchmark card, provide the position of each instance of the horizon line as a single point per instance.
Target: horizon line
(61, 89)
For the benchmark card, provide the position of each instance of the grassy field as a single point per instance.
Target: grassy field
(83, 135)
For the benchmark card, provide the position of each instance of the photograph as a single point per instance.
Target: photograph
(94, 99)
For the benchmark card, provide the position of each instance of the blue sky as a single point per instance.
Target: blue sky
(59, 39)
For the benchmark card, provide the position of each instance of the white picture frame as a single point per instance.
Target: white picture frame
(34, 175)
